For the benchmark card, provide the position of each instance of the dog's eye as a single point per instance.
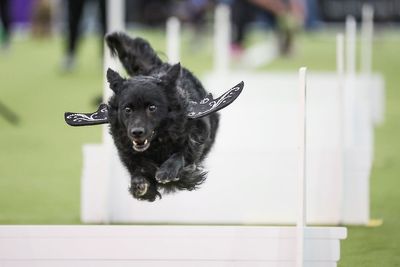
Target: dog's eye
(128, 110)
(152, 108)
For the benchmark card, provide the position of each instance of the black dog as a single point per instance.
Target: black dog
(162, 149)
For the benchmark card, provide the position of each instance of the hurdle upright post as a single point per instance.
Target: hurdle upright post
(367, 31)
(115, 22)
(340, 56)
(173, 40)
(351, 31)
(301, 179)
(222, 35)
(340, 81)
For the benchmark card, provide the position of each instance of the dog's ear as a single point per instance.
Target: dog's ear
(115, 80)
(172, 75)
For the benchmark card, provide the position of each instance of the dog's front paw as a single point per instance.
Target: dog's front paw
(142, 189)
(139, 186)
(166, 175)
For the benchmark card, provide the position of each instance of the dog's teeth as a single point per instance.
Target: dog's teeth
(134, 143)
(145, 142)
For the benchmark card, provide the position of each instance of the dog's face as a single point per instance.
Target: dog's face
(142, 105)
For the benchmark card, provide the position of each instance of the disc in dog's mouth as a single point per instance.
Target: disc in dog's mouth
(141, 146)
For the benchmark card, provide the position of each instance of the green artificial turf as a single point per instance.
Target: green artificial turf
(381, 246)
(41, 159)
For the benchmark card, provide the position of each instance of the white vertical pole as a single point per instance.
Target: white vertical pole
(115, 15)
(115, 22)
(115, 11)
(340, 56)
(350, 92)
(341, 156)
(301, 197)
(351, 32)
(367, 31)
(222, 37)
(173, 40)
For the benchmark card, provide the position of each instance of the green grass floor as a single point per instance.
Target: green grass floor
(41, 159)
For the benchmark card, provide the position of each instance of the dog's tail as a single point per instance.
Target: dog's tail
(136, 55)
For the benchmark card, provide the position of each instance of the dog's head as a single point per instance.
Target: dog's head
(141, 104)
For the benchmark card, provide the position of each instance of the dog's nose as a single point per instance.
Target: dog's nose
(137, 132)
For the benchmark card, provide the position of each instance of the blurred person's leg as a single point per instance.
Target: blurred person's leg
(5, 20)
(103, 21)
(289, 15)
(242, 13)
(75, 9)
(290, 23)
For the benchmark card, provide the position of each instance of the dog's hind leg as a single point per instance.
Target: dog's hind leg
(169, 170)
(191, 177)
(136, 55)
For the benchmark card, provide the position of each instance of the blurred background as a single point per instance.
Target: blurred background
(51, 61)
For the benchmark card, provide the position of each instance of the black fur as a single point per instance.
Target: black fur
(152, 105)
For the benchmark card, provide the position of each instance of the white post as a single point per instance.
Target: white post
(350, 90)
(173, 40)
(367, 31)
(340, 79)
(222, 37)
(351, 32)
(301, 197)
(115, 22)
(340, 56)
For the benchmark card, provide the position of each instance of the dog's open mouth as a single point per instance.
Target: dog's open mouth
(140, 146)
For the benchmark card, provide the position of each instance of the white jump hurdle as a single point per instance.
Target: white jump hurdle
(182, 245)
(268, 107)
(175, 246)
(260, 189)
